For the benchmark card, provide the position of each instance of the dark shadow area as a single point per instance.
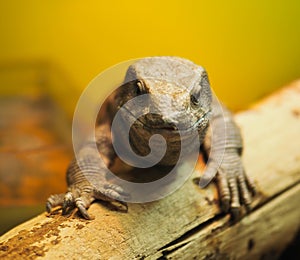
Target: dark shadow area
(292, 252)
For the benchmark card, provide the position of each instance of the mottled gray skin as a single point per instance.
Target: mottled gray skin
(193, 107)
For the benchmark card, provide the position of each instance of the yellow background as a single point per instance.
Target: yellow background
(249, 48)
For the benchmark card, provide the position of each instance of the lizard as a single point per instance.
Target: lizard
(195, 107)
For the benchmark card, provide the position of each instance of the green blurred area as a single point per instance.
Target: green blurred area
(12, 216)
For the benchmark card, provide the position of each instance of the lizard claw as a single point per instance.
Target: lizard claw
(82, 209)
(235, 213)
(54, 201)
(234, 187)
(68, 202)
(225, 204)
(111, 192)
(76, 198)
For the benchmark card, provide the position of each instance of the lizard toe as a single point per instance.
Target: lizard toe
(224, 191)
(82, 205)
(225, 204)
(54, 201)
(244, 191)
(114, 195)
(250, 184)
(111, 192)
(234, 191)
(116, 188)
(235, 213)
(68, 202)
(48, 207)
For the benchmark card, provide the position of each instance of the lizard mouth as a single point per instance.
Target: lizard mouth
(160, 125)
(173, 128)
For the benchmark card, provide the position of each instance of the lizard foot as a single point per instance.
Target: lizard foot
(81, 198)
(235, 187)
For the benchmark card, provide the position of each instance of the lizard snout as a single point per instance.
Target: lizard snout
(156, 121)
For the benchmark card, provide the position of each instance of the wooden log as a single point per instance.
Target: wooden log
(188, 223)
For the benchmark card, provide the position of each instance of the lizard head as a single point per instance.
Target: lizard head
(176, 96)
(179, 92)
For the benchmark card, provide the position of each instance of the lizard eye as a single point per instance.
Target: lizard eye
(140, 87)
(199, 91)
(195, 100)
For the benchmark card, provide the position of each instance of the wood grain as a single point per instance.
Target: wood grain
(188, 223)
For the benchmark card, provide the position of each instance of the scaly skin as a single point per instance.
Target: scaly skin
(192, 105)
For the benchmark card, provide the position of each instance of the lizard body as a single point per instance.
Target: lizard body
(192, 107)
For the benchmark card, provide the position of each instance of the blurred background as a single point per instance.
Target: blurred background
(51, 50)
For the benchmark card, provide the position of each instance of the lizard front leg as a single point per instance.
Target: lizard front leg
(86, 177)
(223, 144)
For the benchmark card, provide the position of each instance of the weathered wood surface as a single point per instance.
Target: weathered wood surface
(188, 223)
